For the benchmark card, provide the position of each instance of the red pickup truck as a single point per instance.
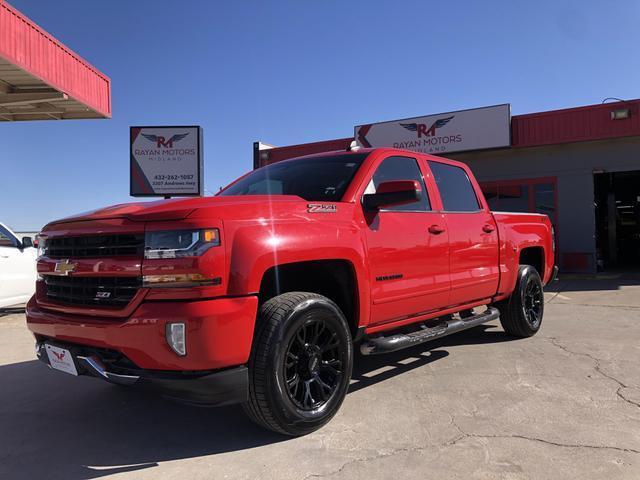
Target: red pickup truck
(260, 294)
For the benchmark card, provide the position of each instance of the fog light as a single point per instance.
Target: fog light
(176, 338)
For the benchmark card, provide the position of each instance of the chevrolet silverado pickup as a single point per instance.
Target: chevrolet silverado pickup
(260, 294)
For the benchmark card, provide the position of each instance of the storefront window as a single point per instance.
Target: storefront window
(545, 194)
(514, 198)
(507, 198)
(536, 195)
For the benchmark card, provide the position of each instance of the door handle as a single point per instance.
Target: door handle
(488, 228)
(436, 229)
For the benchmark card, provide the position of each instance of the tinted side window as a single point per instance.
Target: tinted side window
(455, 188)
(6, 239)
(400, 168)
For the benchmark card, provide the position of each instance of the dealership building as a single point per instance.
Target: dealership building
(580, 166)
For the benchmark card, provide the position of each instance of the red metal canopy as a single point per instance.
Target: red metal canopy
(41, 79)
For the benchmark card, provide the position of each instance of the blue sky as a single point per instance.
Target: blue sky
(299, 71)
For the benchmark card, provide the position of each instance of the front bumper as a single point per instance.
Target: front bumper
(134, 350)
(209, 388)
(219, 332)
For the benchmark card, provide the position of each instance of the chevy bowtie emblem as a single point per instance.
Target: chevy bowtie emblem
(63, 267)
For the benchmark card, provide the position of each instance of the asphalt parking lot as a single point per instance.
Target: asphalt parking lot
(477, 405)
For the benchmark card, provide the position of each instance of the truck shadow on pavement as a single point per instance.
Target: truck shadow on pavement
(591, 283)
(11, 311)
(369, 370)
(56, 426)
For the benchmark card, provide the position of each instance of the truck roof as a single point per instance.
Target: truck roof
(378, 149)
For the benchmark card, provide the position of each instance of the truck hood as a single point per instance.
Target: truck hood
(179, 208)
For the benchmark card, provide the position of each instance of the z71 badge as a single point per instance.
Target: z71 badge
(321, 208)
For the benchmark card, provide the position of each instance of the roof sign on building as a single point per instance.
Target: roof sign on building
(475, 129)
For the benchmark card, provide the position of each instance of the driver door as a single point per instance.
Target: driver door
(408, 249)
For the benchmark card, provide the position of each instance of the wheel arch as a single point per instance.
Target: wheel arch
(533, 256)
(335, 279)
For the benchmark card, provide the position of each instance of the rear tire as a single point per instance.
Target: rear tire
(521, 314)
(300, 363)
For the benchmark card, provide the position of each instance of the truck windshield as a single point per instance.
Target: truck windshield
(314, 179)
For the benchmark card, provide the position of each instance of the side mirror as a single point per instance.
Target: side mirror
(396, 192)
(27, 242)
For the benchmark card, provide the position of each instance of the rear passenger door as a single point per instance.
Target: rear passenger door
(473, 235)
(409, 266)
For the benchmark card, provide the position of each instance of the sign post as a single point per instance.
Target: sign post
(166, 161)
(475, 129)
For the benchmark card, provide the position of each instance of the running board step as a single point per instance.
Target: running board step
(398, 341)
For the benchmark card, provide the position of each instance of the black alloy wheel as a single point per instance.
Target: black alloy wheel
(313, 366)
(300, 364)
(521, 314)
(533, 301)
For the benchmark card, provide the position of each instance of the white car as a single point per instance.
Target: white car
(17, 268)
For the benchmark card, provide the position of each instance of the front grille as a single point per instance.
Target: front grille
(96, 246)
(92, 291)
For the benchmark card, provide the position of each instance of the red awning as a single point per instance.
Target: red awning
(41, 79)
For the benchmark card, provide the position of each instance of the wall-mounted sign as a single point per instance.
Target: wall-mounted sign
(166, 161)
(475, 129)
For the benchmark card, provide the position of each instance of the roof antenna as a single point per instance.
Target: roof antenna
(353, 146)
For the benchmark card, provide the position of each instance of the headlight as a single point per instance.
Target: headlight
(180, 243)
(41, 243)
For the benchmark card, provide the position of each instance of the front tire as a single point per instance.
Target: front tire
(521, 314)
(300, 363)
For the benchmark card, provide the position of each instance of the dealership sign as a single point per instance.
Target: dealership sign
(166, 161)
(474, 129)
